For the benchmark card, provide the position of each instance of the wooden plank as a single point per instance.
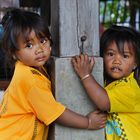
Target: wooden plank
(88, 25)
(70, 20)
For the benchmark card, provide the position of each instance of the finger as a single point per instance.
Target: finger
(77, 61)
(92, 61)
(75, 64)
(92, 113)
(103, 114)
(102, 126)
(86, 58)
(82, 59)
(97, 111)
(74, 58)
(104, 120)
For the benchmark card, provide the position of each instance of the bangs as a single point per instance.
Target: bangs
(24, 32)
(24, 26)
(121, 40)
(119, 37)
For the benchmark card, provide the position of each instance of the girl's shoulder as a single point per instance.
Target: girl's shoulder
(29, 75)
(26, 74)
(23, 71)
(128, 81)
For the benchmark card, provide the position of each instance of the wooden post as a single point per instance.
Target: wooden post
(72, 19)
(74, 29)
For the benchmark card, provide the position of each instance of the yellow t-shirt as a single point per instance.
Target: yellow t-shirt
(28, 106)
(124, 117)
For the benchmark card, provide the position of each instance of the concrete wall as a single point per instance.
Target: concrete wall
(69, 91)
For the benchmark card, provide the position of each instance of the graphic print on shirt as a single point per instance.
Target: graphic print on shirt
(115, 127)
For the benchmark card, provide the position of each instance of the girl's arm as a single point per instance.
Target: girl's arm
(83, 66)
(94, 120)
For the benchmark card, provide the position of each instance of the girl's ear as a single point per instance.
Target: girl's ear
(14, 57)
(134, 66)
(50, 48)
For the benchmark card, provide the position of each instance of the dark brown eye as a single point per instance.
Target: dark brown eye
(43, 40)
(29, 45)
(109, 53)
(126, 56)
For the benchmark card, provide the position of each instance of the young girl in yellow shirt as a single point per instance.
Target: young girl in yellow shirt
(28, 106)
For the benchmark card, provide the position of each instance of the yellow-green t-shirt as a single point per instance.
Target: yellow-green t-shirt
(28, 106)
(124, 117)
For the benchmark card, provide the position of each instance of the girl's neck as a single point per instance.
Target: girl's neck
(108, 80)
(43, 71)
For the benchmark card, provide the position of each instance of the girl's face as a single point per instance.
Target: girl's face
(117, 64)
(33, 52)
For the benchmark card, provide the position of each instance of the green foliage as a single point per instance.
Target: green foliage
(116, 11)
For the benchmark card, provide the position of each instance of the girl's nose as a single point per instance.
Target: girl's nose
(39, 48)
(117, 59)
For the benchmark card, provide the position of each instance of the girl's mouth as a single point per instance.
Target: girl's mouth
(40, 58)
(115, 69)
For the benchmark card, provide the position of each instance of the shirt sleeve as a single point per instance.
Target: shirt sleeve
(122, 98)
(46, 108)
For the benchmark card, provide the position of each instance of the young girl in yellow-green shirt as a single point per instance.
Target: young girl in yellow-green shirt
(120, 49)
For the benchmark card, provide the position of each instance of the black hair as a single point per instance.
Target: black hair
(120, 35)
(18, 22)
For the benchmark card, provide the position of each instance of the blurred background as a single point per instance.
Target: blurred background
(120, 12)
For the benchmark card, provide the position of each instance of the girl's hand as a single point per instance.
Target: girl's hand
(83, 64)
(97, 120)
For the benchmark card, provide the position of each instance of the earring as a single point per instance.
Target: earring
(14, 57)
(135, 66)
